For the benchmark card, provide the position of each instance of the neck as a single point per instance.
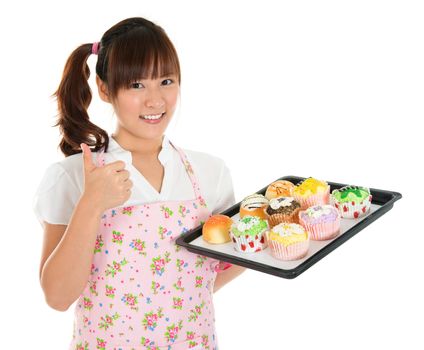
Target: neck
(139, 146)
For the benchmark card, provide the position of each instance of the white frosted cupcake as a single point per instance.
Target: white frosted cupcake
(282, 209)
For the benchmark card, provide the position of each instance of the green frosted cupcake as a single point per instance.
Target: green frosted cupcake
(248, 234)
(352, 201)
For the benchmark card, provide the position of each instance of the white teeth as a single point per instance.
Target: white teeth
(152, 117)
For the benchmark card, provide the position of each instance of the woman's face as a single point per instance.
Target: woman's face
(147, 106)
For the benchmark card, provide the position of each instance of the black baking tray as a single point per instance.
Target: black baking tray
(382, 202)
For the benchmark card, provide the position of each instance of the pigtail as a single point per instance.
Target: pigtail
(73, 98)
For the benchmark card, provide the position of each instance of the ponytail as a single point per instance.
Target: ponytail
(73, 98)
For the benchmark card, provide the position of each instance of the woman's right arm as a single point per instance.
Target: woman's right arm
(67, 255)
(68, 249)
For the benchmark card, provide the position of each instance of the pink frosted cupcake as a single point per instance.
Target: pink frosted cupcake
(288, 241)
(312, 192)
(321, 221)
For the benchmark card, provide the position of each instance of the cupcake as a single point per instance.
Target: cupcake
(288, 241)
(321, 221)
(352, 201)
(248, 234)
(312, 192)
(253, 205)
(279, 188)
(282, 209)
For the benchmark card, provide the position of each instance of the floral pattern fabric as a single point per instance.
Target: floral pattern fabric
(144, 291)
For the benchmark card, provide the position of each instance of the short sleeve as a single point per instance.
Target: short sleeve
(56, 196)
(225, 191)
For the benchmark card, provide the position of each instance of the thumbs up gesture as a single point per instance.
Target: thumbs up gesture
(108, 186)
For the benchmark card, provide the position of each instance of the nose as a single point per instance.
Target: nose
(154, 99)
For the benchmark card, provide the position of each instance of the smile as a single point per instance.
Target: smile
(152, 116)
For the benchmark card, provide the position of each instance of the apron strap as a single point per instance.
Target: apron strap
(189, 170)
(101, 157)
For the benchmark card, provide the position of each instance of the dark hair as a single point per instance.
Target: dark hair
(132, 49)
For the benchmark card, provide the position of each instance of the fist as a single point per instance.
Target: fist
(108, 186)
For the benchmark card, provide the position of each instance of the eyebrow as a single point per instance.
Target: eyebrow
(162, 76)
(167, 75)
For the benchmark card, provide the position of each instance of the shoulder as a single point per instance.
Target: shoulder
(206, 161)
(68, 170)
(74, 163)
(210, 169)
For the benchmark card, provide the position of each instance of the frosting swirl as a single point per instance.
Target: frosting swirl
(351, 193)
(287, 234)
(284, 229)
(254, 201)
(282, 205)
(310, 186)
(249, 225)
(319, 214)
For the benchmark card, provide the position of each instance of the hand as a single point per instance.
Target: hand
(108, 186)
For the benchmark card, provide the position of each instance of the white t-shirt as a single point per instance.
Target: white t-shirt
(63, 182)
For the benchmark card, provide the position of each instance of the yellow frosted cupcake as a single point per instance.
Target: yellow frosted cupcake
(288, 241)
(312, 192)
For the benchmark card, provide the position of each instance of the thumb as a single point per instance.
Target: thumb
(87, 158)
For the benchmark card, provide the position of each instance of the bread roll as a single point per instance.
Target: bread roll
(216, 229)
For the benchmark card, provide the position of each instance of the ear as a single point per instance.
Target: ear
(103, 90)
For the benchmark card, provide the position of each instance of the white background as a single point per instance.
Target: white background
(330, 89)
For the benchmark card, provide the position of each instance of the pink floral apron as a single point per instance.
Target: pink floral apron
(144, 291)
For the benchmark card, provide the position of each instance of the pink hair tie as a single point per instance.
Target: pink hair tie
(95, 48)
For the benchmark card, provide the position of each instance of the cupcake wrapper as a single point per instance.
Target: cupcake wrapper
(250, 244)
(322, 231)
(315, 199)
(275, 219)
(352, 210)
(291, 252)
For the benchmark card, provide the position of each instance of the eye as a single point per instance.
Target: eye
(136, 85)
(170, 81)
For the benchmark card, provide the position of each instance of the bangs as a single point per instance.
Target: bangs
(140, 54)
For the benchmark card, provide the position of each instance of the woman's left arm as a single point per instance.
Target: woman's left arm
(225, 276)
(225, 195)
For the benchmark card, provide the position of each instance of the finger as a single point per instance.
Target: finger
(124, 175)
(87, 158)
(128, 183)
(126, 187)
(117, 166)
